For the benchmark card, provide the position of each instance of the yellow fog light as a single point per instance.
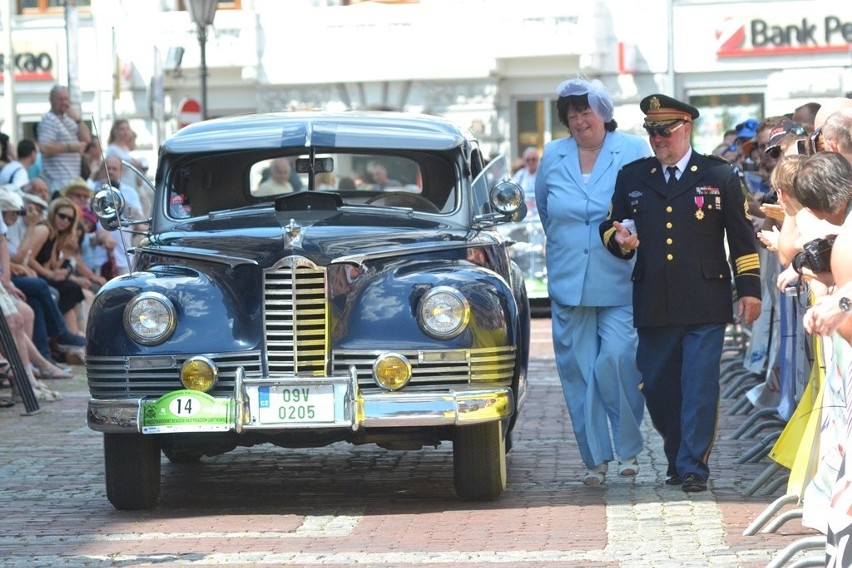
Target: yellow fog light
(199, 373)
(392, 371)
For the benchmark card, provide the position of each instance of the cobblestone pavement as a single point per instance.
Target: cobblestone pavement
(345, 505)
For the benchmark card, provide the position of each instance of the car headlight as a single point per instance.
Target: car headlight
(149, 318)
(444, 312)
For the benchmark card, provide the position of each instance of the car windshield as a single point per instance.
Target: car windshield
(421, 182)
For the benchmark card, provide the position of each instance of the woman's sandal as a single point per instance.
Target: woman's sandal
(56, 373)
(628, 468)
(597, 475)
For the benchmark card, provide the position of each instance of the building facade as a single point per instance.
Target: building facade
(491, 66)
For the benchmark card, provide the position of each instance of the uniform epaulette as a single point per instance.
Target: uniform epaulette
(637, 161)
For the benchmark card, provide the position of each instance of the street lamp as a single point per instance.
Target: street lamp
(202, 13)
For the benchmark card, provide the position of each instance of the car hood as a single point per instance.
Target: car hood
(324, 236)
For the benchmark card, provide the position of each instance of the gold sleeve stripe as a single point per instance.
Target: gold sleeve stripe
(608, 235)
(747, 263)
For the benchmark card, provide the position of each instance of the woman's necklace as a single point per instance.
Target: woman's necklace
(593, 148)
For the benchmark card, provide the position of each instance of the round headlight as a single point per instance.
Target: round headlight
(149, 318)
(199, 373)
(444, 312)
(392, 371)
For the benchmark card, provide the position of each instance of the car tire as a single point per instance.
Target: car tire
(182, 456)
(132, 471)
(479, 461)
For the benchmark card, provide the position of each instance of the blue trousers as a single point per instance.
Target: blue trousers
(595, 351)
(680, 381)
(48, 320)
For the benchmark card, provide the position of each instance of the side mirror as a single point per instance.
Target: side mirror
(108, 204)
(507, 198)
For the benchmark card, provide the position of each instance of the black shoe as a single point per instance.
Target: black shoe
(673, 479)
(693, 483)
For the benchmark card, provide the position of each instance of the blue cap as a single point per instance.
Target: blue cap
(747, 129)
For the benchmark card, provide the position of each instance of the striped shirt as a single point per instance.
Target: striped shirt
(59, 169)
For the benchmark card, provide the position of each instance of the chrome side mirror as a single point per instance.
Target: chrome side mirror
(108, 204)
(507, 197)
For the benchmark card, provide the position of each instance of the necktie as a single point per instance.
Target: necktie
(672, 176)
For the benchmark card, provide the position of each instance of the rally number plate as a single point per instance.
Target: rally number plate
(295, 404)
(187, 411)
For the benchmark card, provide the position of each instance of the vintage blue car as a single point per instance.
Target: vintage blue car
(310, 278)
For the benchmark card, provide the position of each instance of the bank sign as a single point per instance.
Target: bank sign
(739, 37)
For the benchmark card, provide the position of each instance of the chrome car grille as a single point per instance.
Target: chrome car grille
(441, 368)
(155, 375)
(295, 318)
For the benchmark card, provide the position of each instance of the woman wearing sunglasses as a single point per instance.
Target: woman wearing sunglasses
(43, 249)
(593, 335)
(686, 206)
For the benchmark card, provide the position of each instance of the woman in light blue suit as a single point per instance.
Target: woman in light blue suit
(591, 290)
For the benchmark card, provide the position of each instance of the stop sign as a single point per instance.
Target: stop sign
(189, 111)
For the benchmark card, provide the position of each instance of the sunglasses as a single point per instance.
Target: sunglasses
(664, 131)
(774, 152)
(64, 217)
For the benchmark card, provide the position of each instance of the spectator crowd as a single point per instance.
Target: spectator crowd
(54, 253)
(796, 171)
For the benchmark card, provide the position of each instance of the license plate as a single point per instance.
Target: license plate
(187, 411)
(279, 404)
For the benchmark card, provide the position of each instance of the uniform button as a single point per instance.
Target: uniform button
(669, 241)
(585, 251)
(670, 256)
(668, 225)
(587, 222)
(669, 209)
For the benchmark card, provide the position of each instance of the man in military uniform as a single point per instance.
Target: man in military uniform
(683, 206)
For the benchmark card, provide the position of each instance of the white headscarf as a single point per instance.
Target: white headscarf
(600, 101)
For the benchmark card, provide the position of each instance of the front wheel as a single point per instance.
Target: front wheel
(479, 461)
(132, 471)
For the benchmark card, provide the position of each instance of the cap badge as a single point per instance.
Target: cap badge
(655, 103)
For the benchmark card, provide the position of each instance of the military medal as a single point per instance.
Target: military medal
(699, 212)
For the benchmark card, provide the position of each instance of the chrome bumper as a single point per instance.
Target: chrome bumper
(374, 410)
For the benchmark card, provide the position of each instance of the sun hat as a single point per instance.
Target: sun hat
(74, 184)
(33, 198)
(10, 200)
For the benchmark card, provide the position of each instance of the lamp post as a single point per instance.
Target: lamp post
(202, 13)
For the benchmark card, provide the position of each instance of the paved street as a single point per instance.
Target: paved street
(345, 505)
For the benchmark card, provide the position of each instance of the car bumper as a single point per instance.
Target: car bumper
(453, 407)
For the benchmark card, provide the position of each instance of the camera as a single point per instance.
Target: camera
(816, 255)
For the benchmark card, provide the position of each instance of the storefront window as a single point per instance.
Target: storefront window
(720, 113)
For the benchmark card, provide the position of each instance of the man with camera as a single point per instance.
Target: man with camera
(824, 185)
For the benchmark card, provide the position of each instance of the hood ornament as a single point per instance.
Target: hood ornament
(294, 232)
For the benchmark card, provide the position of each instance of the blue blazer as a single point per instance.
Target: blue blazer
(580, 271)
